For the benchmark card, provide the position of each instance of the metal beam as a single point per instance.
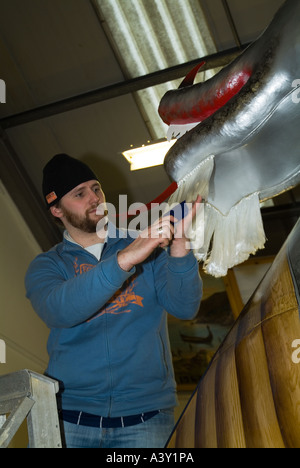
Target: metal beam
(281, 211)
(220, 59)
(231, 23)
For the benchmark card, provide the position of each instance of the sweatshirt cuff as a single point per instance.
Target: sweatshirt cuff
(113, 272)
(182, 264)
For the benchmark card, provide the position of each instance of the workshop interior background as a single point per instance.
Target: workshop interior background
(85, 77)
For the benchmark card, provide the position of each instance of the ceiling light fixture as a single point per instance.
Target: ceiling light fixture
(149, 155)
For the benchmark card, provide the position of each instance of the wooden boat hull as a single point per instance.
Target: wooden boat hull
(250, 394)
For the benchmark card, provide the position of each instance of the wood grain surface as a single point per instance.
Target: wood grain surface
(249, 396)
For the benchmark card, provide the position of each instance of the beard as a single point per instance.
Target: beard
(83, 223)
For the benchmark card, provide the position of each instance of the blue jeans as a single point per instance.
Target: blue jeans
(153, 433)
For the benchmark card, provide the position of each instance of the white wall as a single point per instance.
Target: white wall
(24, 334)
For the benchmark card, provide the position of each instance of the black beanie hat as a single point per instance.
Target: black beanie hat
(61, 175)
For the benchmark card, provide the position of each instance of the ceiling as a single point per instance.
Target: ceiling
(85, 77)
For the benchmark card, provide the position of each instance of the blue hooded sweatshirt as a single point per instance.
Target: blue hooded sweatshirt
(108, 342)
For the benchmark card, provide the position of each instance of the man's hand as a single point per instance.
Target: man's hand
(159, 234)
(180, 244)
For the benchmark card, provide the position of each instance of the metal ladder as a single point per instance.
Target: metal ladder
(26, 394)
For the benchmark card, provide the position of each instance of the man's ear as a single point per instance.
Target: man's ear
(56, 211)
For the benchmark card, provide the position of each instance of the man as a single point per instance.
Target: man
(105, 299)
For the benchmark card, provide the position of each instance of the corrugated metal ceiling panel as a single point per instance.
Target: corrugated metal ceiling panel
(148, 36)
